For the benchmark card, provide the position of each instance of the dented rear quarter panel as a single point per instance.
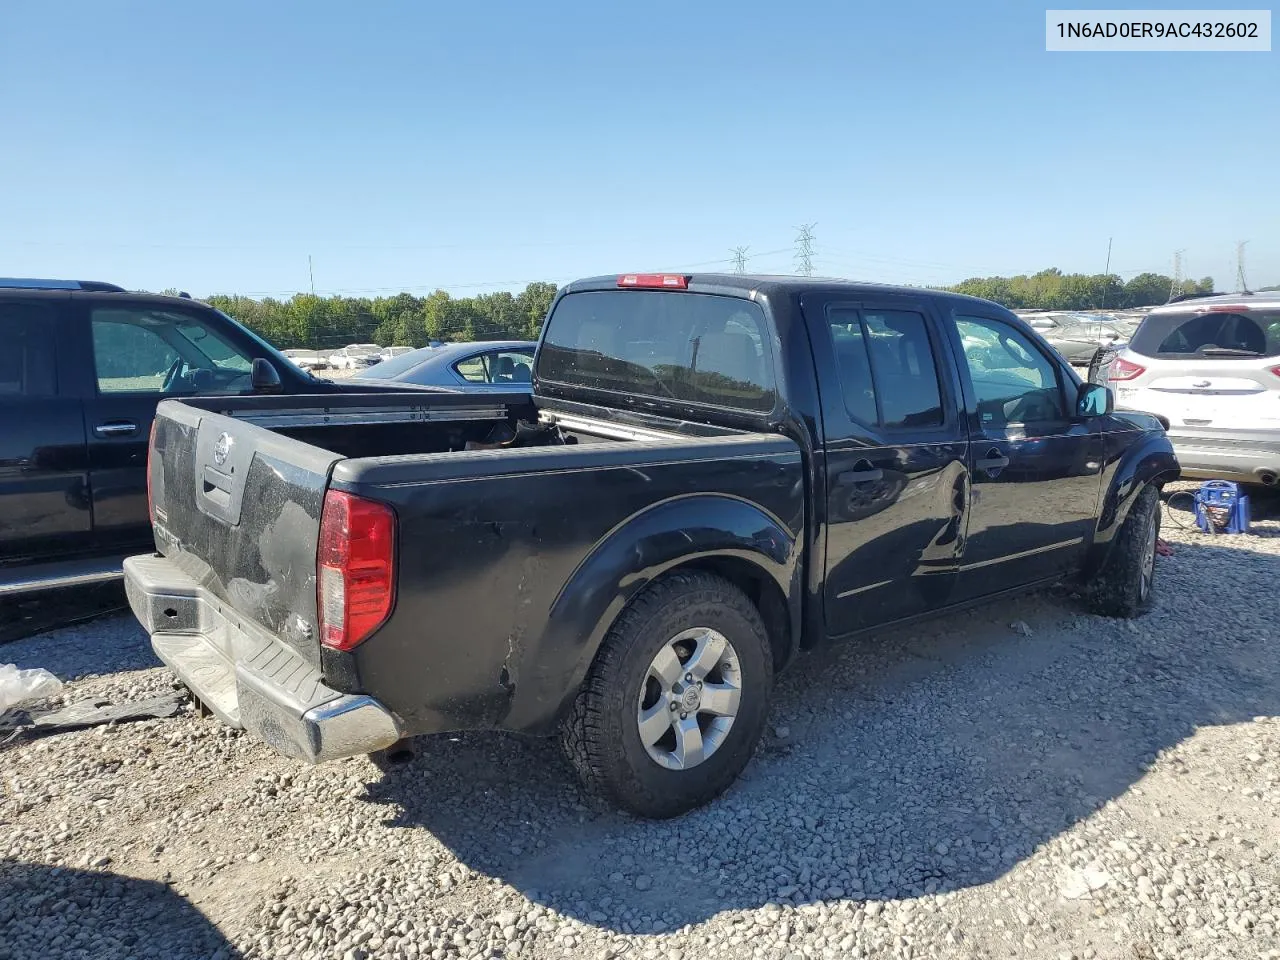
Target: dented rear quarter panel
(512, 564)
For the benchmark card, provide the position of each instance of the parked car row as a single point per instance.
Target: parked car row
(356, 356)
(308, 359)
(1078, 335)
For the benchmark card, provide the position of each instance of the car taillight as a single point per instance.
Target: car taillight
(1122, 369)
(1276, 371)
(151, 452)
(355, 568)
(659, 281)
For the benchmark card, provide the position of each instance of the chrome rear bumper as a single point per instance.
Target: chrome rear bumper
(246, 677)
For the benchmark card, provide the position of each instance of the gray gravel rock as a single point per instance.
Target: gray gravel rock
(944, 790)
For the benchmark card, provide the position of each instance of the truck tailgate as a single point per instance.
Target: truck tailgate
(237, 508)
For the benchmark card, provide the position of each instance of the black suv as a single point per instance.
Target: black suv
(82, 367)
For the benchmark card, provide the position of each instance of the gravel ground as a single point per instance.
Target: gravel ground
(1023, 781)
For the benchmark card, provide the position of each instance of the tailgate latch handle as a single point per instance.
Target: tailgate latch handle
(217, 485)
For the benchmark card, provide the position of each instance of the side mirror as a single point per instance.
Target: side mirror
(265, 378)
(1094, 400)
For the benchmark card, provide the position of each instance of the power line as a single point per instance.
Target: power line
(739, 259)
(1106, 274)
(804, 249)
(732, 260)
(1242, 283)
(1176, 286)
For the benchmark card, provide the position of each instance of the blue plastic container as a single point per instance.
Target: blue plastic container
(1222, 508)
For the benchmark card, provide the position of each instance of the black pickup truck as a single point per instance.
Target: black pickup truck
(82, 367)
(713, 473)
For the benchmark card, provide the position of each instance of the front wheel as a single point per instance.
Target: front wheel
(676, 699)
(1125, 584)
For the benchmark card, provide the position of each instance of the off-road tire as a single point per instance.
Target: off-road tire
(600, 735)
(1119, 589)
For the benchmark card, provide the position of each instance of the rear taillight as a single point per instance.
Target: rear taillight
(151, 452)
(1122, 369)
(355, 568)
(1276, 371)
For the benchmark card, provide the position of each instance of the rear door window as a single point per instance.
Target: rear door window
(511, 366)
(690, 347)
(27, 364)
(1214, 333)
(887, 371)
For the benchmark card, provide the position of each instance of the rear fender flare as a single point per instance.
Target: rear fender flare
(628, 558)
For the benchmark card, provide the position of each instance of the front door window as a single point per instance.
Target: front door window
(157, 351)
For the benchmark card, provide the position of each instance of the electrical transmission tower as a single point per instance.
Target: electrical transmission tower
(1175, 287)
(1242, 283)
(739, 259)
(804, 249)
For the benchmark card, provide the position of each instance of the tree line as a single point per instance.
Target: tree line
(1054, 290)
(306, 320)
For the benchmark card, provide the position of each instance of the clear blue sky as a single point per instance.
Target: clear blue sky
(212, 147)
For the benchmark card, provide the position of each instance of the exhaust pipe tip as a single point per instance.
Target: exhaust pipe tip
(1267, 478)
(399, 754)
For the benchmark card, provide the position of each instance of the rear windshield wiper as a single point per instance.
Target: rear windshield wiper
(1227, 352)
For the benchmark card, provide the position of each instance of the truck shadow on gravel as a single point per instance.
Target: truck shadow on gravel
(28, 616)
(930, 759)
(101, 646)
(48, 912)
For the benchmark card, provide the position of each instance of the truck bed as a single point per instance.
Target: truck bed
(499, 549)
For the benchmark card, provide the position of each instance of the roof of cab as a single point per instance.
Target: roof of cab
(768, 284)
(35, 283)
(74, 289)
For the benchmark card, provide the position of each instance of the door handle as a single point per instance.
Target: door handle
(116, 428)
(994, 461)
(863, 472)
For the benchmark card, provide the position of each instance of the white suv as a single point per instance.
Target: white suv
(1211, 367)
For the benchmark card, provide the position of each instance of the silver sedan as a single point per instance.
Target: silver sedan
(487, 366)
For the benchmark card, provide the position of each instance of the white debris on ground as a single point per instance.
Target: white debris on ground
(18, 686)
(1063, 787)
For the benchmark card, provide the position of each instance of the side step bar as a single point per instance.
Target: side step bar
(35, 577)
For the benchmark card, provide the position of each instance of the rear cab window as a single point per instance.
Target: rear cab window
(695, 348)
(1214, 332)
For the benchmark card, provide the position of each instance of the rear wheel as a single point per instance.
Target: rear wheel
(1125, 585)
(676, 700)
